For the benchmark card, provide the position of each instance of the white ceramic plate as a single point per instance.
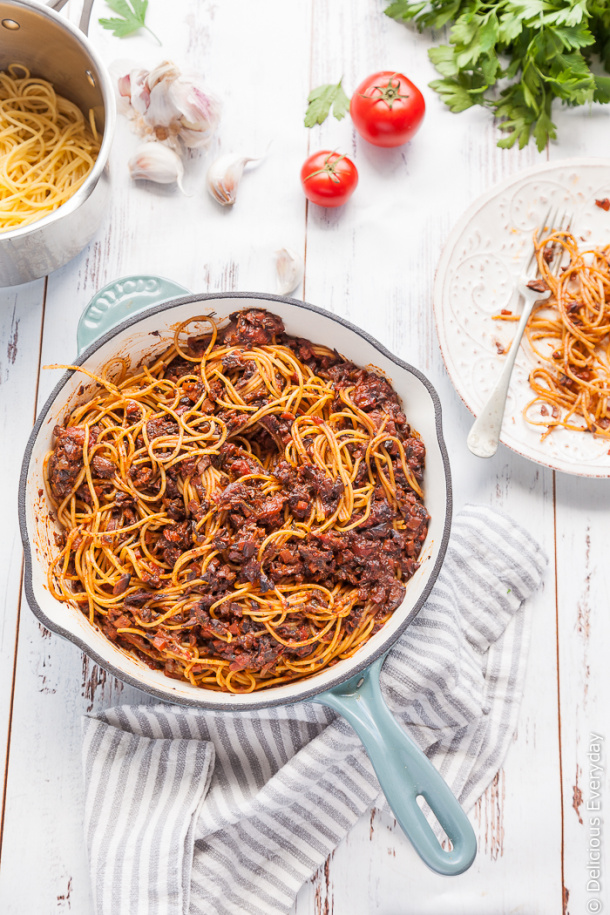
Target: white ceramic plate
(482, 258)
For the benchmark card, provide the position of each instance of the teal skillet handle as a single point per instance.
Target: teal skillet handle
(404, 773)
(121, 299)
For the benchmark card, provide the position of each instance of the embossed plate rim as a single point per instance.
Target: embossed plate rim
(442, 307)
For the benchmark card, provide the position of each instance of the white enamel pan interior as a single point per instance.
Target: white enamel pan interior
(146, 335)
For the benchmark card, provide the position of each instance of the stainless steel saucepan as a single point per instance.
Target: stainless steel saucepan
(52, 48)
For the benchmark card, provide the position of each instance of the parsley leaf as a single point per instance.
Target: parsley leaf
(322, 99)
(515, 57)
(131, 13)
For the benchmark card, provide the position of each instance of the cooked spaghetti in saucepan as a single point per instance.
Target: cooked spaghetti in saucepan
(570, 333)
(242, 512)
(47, 148)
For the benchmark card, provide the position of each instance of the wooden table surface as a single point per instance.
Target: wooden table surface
(372, 262)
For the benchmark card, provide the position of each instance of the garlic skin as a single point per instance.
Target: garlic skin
(223, 177)
(289, 268)
(199, 113)
(158, 163)
(166, 71)
(168, 106)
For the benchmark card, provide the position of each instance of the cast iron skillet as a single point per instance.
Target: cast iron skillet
(137, 315)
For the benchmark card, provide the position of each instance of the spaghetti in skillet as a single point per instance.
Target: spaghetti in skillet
(241, 513)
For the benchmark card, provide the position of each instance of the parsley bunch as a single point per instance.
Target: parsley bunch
(537, 50)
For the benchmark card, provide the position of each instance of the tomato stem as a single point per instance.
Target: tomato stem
(328, 167)
(389, 93)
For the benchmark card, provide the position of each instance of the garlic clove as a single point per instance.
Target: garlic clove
(139, 92)
(199, 112)
(224, 175)
(120, 74)
(289, 268)
(124, 84)
(158, 163)
(161, 112)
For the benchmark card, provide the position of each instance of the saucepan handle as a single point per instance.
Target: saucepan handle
(404, 773)
(85, 15)
(121, 299)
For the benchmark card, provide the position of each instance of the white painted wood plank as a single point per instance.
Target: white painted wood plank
(584, 647)
(20, 328)
(387, 241)
(583, 594)
(206, 248)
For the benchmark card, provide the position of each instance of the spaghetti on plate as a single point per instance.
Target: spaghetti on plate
(570, 334)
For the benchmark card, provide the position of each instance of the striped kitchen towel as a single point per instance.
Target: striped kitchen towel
(196, 812)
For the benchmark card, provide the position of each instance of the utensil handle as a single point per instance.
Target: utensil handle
(85, 15)
(122, 299)
(484, 436)
(404, 773)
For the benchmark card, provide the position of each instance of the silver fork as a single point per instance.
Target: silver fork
(484, 436)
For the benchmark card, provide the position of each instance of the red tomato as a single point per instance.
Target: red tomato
(328, 178)
(387, 109)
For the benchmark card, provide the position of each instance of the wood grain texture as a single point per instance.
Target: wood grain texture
(21, 312)
(583, 593)
(147, 230)
(372, 262)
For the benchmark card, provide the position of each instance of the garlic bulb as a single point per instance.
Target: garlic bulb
(158, 163)
(168, 106)
(224, 175)
(289, 269)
